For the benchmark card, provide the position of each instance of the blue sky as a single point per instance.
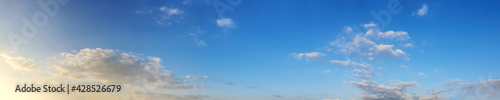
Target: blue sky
(272, 50)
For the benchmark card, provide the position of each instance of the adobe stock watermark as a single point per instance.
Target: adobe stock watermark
(221, 7)
(39, 19)
(484, 90)
(393, 7)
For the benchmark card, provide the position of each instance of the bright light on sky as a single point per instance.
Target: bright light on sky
(253, 49)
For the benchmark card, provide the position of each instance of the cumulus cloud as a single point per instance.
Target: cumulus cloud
(308, 56)
(422, 11)
(387, 50)
(373, 43)
(115, 66)
(226, 23)
(20, 63)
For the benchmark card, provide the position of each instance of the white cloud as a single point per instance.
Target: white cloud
(400, 35)
(307, 56)
(169, 11)
(422, 11)
(200, 43)
(403, 66)
(407, 45)
(372, 44)
(226, 23)
(421, 74)
(370, 25)
(118, 67)
(387, 50)
(20, 63)
(348, 29)
(327, 71)
(343, 63)
(164, 15)
(349, 63)
(197, 77)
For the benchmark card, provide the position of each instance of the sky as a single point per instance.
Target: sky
(253, 49)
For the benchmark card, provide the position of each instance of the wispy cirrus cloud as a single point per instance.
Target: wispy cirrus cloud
(308, 55)
(163, 15)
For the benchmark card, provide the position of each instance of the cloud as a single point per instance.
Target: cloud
(277, 96)
(163, 15)
(196, 35)
(363, 74)
(422, 11)
(375, 91)
(200, 43)
(349, 63)
(226, 23)
(403, 66)
(327, 71)
(197, 77)
(307, 56)
(387, 50)
(343, 63)
(115, 66)
(408, 45)
(170, 11)
(20, 63)
(421, 74)
(372, 44)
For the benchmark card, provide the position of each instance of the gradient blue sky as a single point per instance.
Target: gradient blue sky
(250, 56)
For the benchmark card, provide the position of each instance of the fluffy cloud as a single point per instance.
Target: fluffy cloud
(170, 11)
(226, 23)
(422, 11)
(20, 63)
(373, 43)
(307, 56)
(386, 50)
(119, 67)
